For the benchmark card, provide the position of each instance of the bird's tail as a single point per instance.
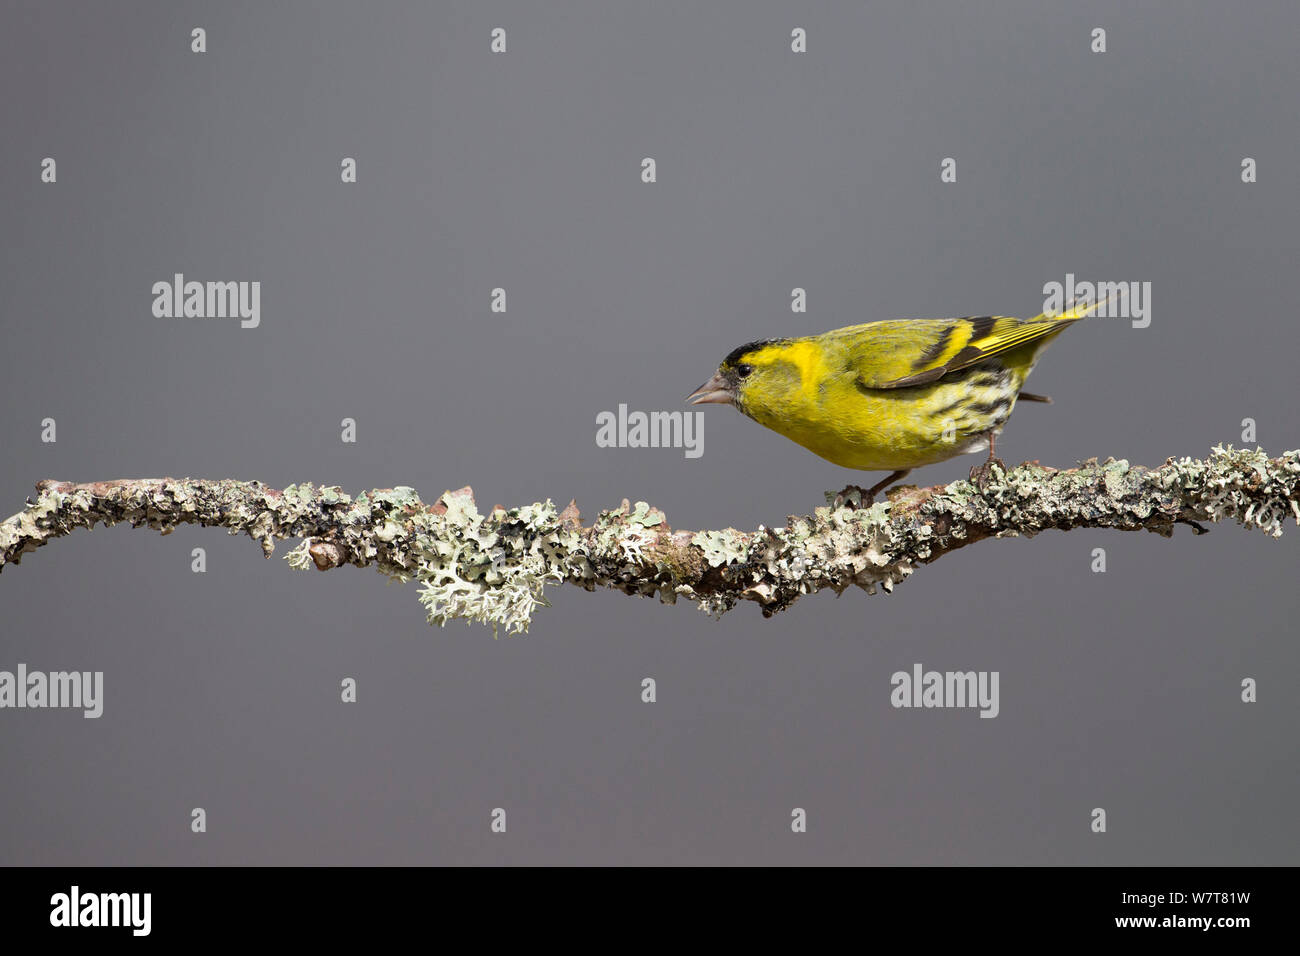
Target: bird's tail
(1077, 309)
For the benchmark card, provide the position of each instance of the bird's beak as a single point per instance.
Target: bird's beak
(716, 391)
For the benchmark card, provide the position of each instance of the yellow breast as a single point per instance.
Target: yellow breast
(832, 416)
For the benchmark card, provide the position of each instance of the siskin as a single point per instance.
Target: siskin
(890, 396)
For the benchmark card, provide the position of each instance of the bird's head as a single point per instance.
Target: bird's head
(750, 377)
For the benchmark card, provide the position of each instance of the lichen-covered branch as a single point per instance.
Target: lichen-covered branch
(493, 567)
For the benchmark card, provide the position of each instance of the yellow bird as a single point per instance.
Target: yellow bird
(890, 396)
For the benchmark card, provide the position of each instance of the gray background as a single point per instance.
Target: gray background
(521, 170)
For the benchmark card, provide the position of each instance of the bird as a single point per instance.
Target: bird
(892, 395)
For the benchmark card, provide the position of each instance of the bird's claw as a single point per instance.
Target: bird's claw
(854, 498)
(981, 474)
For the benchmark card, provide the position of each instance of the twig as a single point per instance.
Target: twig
(493, 568)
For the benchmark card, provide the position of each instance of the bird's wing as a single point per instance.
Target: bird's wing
(898, 354)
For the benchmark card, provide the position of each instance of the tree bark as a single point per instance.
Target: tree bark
(494, 567)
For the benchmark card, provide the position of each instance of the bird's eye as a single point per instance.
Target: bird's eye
(744, 370)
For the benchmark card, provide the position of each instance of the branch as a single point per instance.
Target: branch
(493, 568)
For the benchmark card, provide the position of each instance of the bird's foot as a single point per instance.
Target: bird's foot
(982, 474)
(854, 498)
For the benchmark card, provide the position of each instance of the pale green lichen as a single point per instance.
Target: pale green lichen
(495, 568)
(721, 547)
(1241, 484)
(491, 569)
(299, 558)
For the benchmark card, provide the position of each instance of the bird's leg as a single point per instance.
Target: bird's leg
(867, 495)
(980, 473)
(888, 480)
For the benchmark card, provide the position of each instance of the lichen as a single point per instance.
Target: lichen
(491, 569)
(721, 547)
(495, 568)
